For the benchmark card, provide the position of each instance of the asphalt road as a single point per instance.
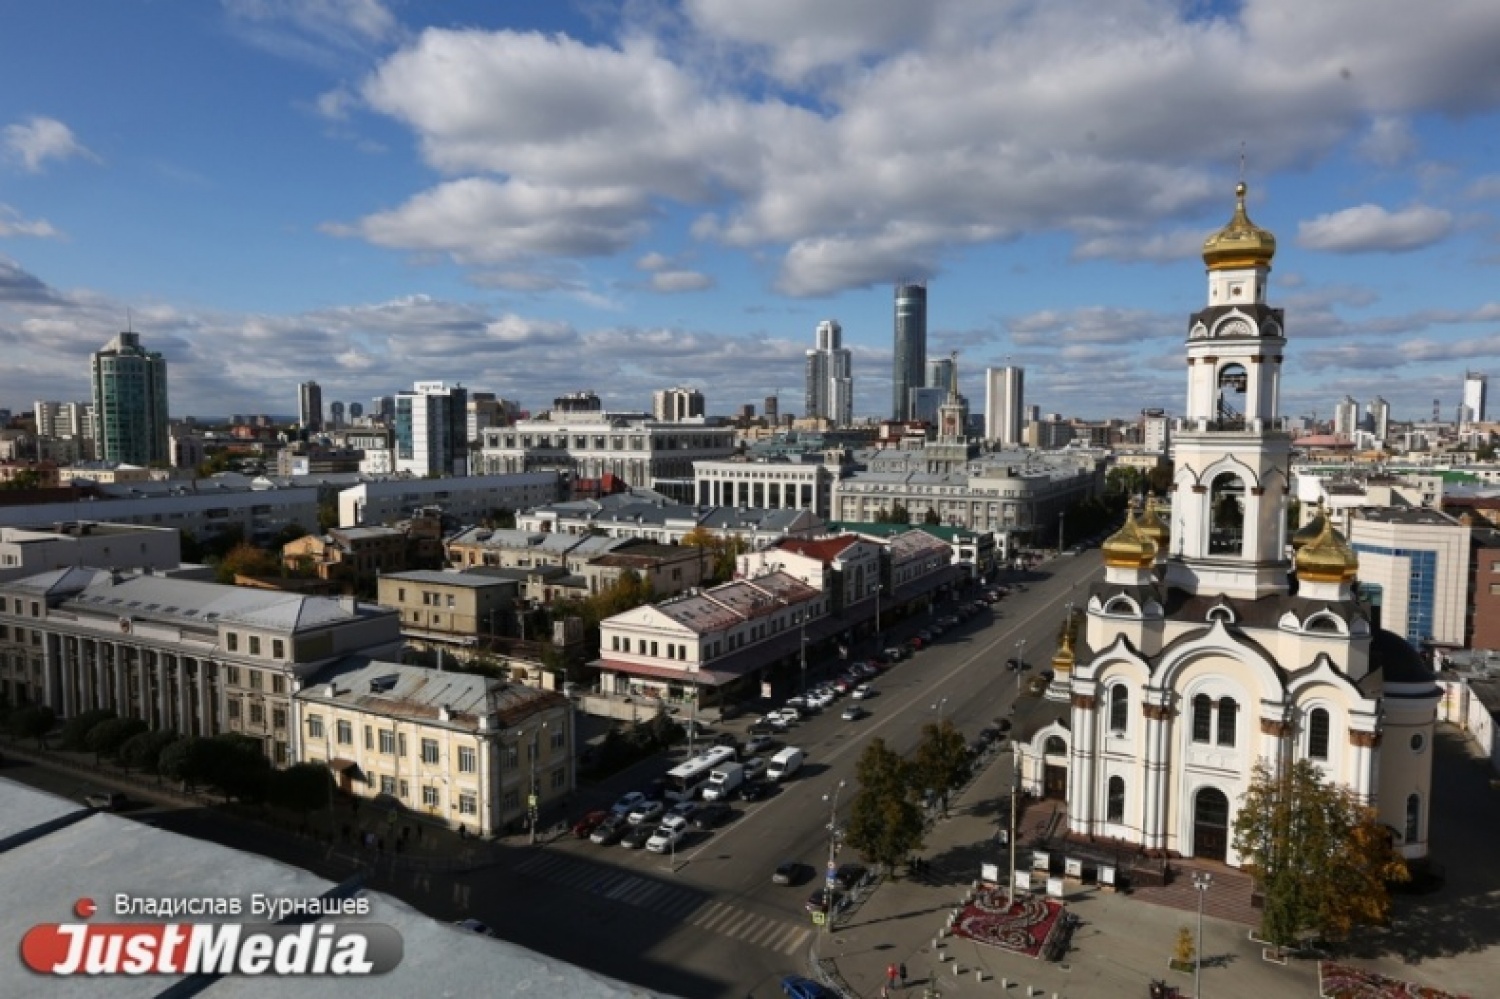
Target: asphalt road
(707, 921)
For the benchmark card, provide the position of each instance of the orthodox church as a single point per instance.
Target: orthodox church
(1208, 646)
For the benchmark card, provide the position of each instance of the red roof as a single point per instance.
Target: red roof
(825, 550)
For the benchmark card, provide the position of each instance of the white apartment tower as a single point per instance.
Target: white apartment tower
(431, 430)
(1476, 392)
(1378, 412)
(1004, 404)
(829, 380)
(1346, 418)
(675, 405)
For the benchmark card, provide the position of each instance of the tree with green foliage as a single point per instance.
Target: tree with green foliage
(1159, 479)
(1321, 859)
(34, 721)
(142, 751)
(942, 759)
(75, 730)
(885, 822)
(301, 787)
(1124, 480)
(245, 559)
(238, 767)
(26, 478)
(106, 738)
(187, 760)
(932, 518)
(899, 513)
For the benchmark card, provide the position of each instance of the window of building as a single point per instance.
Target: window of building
(1115, 811)
(559, 779)
(278, 649)
(558, 737)
(400, 743)
(234, 708)
(232, 675)
(1228, 716)
(450, 600)
(369, 737)
(468, 803)
(1119, 708)
(232, 641)
(512, 756)
(1413, 818)
(278, 683)
(429, 751)
(255, 645)
(315, 726)
(387, 784)
(403, 789)
(256, 680)
(387, 741)
(346, 733)
(467, 760)
(430, 796)
(280, 753)
(1317, 734)
(257, 713)
(511, 801)
(1203, 718)
(278, 717)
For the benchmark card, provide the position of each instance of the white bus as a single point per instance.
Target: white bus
(685, 780)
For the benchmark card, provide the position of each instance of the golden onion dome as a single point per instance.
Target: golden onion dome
(1153, 527)
(1310, 530)
(1062, 659)
(1241, 243)
(1327, 558)
(1129, 547)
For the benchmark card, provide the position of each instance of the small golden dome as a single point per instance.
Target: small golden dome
(1063, 658)
(1327, 558)
(1310, 530)
(1153, 527)
(1241, 243)
(1129, 547)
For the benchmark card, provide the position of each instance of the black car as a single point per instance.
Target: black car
(710, 816)
(636, 836)
(728, 739)
(754, 790)
(849, 876)
(820, 900)
(789, 873)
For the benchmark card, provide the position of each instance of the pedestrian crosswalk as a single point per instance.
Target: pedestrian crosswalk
(683, 904)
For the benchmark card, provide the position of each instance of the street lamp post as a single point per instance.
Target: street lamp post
(1020, 668)
(1201, 881)
(1015, 794)
(692, 710)
(829, 882)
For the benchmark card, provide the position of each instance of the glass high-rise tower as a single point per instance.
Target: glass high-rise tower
(130, 402)
(909, 366)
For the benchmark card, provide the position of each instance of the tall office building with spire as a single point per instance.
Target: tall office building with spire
(909, 365)
(130, 402)
(830, 380)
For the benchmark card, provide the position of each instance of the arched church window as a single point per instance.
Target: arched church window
(1115, 812)
(1228, 715)
(1317, 734)
(1054, 746)
(1203, 718)
(1119, 708)
(1413, 817)
(1324, 623)
(1227, 512)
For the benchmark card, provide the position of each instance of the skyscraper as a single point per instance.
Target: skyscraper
(940, 374)
(1379, 413)
(432, 430)
(310, 406)
(1346, 417)
(1476, 392)
(674, 405)
(909, 365)
(1004, 404)
(830, 381)
(130, 402)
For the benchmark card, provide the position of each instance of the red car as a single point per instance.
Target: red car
(584, 827)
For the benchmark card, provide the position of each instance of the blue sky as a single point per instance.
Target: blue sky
(533, 198)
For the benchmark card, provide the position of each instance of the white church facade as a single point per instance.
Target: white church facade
(1208, 647)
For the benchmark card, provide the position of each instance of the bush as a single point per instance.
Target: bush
(33, 722)
(142, 751)
(301, 787)
(76, 730)
(237, 766)
(106, 738)
(188, 760)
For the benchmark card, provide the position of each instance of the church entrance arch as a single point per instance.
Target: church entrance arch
(1211, 824)
(1055, 768)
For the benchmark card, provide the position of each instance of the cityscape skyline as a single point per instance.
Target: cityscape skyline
(530, 234)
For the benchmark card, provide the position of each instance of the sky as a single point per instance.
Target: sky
(540, 198)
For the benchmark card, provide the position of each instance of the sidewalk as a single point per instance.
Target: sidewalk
(1121, 944)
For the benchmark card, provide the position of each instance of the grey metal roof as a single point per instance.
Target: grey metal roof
(440, 577)
(400, 691)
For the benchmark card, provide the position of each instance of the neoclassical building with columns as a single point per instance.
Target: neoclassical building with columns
(1208, 646)
(193, 657)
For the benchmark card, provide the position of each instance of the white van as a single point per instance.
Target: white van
(723, 782)
(784, 764)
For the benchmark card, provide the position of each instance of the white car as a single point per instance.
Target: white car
(676, 822)
(664, 839)
(779, 721)
(756, 743)
(862, 691)
(791, 711)
(646, 811)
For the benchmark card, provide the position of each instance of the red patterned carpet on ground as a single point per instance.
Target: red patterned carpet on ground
(1023, 927)
(1341, 981)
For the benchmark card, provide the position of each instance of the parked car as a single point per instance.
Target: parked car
(849, 876)
(895, 653)
(627, 803)
(754, 790)
(610, 830)
(636, 836)
(756, 743)
(684, 809)
(109, 801)
(584, 827)
(754, 767)
(852, 713)
(797, 987)
(711, 816)
(789, 872)
(665, 838)
(727, 739)
(948, 622)
(646, 812)
(821, 899)
(862, 691)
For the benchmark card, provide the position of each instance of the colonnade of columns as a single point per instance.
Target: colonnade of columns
(166, 690)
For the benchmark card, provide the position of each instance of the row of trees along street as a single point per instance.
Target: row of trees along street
(888, 813)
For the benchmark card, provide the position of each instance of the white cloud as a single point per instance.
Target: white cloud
(653, 262)
(1486, 188)
(1389, 141)
(38, 139)
(317, 32)
(1161, 247)
(800, 37)
(673, 282)
(13, 224)
(1373, 229)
